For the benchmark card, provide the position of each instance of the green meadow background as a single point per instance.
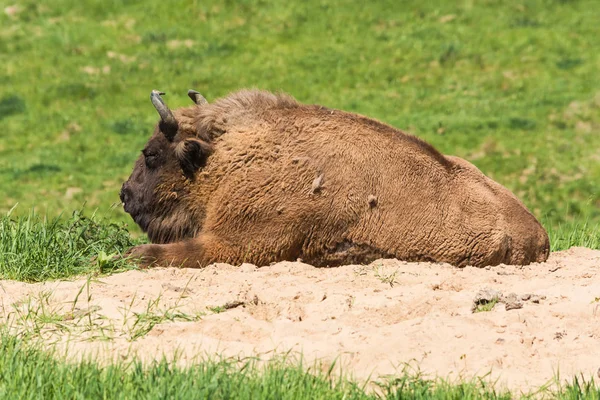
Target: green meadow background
(512, 86)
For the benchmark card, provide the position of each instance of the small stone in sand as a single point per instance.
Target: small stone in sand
(511, 302)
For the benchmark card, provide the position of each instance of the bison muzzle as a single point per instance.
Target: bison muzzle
(258, 177)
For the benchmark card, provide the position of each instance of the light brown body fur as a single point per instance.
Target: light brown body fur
(287, 181)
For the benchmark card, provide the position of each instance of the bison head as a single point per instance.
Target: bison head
(160, 181)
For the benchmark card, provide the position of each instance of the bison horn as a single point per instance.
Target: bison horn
(166, 115)
(196, 97)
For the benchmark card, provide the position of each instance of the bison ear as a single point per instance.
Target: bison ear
(192, 155)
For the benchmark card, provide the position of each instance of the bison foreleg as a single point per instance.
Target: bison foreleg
(191, 253)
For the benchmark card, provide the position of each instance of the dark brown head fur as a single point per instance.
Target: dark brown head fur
(156, 195)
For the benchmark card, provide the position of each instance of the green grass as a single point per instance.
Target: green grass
(510, 86)
(576, 234)
(487, 306)
(33, 248)
(145, 321)
(26, 372)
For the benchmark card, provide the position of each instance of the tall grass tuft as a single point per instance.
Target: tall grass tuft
(35, 248)
(583, 234)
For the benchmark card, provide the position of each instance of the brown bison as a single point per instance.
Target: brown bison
(258, 177)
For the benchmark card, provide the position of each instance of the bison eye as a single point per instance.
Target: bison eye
(151, 159)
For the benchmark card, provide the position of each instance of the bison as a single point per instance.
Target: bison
(258, 177)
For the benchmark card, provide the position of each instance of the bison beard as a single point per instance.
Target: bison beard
(258, 177)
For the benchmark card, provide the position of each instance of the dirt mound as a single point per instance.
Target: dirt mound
(372, 319)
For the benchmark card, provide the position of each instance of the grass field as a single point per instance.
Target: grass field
(26, 372)
(512, 86)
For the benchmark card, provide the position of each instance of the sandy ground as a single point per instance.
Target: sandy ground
(371, 319)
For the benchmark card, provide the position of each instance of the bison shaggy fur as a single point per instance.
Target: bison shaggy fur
(258, 177)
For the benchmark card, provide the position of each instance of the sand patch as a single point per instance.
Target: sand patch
(372, 319)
